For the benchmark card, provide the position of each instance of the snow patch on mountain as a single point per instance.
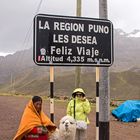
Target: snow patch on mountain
(135, 33)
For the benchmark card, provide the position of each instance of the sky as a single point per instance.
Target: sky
(16, 18)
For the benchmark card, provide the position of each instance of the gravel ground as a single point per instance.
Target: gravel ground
(11, 109)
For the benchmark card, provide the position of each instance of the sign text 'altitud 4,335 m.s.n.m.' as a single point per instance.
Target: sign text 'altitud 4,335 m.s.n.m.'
(72, 41)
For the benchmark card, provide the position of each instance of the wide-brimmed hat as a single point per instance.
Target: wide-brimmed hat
(78, 91)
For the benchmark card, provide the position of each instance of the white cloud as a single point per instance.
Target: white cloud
(124, 14)
(17, 16)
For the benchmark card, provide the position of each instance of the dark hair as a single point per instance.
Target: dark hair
(75, 93)
(36, 99)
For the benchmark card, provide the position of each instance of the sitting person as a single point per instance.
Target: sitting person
(34, 125)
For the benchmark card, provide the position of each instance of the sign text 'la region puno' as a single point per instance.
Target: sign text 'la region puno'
(72, 41)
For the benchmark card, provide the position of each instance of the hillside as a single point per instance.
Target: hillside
(19, 74)
(124, 85)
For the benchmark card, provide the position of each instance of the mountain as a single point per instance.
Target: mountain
(123, 85)
(126, 50)
(18, 71)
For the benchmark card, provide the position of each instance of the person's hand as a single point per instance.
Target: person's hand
(42, 130)
(83, 99)
(39, 130)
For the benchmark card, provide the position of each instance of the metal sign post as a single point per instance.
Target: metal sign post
(97, 103)
(104, 101)
(78, 69)
(52, 93)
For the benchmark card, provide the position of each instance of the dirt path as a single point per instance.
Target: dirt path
(11, 108)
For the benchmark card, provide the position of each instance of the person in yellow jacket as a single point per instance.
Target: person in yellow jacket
(78, 108)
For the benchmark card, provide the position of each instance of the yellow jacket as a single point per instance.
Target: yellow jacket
(82, 108)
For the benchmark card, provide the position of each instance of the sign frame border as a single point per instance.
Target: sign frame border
(71, 64)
